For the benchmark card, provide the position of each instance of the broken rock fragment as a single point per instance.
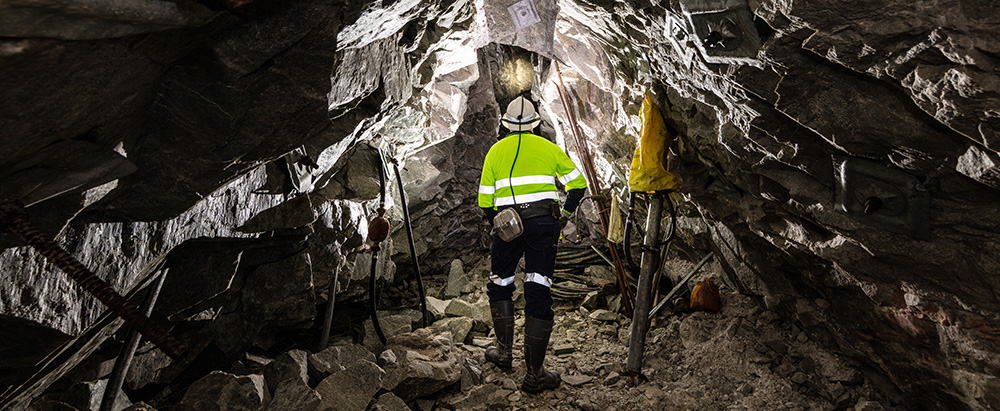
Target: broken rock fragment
(223, 391)
(337, 358)
(290, 365)
(351, 389)
(426, 363)
(459, 327)
(294, 394)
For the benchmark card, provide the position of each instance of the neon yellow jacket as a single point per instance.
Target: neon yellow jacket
(539, 164)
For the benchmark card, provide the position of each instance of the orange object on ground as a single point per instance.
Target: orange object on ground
(705, 296)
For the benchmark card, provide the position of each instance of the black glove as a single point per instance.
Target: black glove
(489, 213)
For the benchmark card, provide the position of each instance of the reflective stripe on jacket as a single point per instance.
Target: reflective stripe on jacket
(540, 163)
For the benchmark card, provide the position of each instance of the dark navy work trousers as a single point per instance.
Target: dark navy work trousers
(537, 246)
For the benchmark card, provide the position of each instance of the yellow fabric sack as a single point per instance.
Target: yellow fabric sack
(649, 171)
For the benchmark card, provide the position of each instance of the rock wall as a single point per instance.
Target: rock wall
(898, 90)
(243, 148)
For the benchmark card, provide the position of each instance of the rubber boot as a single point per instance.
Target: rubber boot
(536, 340)
(503, 326)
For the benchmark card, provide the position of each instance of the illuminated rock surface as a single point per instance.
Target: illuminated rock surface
(227, 116)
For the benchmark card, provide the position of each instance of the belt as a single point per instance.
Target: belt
(534, 209)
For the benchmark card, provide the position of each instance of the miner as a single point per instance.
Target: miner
(520, 198)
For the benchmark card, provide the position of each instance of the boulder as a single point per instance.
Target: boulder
(223, 391)
(426, 363)
(478, 311)
(387, 357)
(294, 394)
(288, 366)
(336, 358)
(147, 366)
(459, 327)
(281, 293)
(392, 324)
(351, 389)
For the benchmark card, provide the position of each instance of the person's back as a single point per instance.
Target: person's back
(532, 177)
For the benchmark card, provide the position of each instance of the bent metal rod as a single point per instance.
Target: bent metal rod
(15, 218)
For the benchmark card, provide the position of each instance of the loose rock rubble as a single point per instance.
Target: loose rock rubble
(743, 357)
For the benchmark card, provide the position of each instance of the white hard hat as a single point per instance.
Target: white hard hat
(520, 115)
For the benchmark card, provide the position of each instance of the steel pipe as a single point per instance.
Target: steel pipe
(124, 360)
(643, 295)
(679, 285)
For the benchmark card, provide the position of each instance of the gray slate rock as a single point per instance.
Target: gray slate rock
(563, 349)
(294, 394)
(604, 315)
(290, 365)
(390, 402)
(576, 380)
(140, 406)
(457, 279)
(426, 364)
(472, 374)
(351, 389)
(590, 300)
(459, 327)
(337, 358)
(223, 391)
(437, 307)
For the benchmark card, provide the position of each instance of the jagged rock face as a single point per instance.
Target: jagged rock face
(906, 86)
(252, 135)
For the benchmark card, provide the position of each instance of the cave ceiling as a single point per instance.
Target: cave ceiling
(130, 132)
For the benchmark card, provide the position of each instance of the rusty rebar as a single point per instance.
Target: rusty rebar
(588, 167)
(15, 218)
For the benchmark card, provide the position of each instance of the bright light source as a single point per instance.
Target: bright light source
(517, 73)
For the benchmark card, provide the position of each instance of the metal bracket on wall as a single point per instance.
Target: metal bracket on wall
(724, 29)
(881, 197)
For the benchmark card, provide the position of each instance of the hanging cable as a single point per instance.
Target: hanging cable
(413, 249)
(378, 231)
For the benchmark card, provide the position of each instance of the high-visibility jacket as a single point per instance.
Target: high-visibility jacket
(540, 163)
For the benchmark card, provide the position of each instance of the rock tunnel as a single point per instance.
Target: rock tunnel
(838, 164)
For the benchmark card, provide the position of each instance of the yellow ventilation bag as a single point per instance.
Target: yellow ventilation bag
(648, 165)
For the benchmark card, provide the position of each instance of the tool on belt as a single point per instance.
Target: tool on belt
(509, 222)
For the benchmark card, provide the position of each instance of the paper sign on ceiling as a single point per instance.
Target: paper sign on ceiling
(524, 14)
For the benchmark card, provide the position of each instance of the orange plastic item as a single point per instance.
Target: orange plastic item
(705, 296)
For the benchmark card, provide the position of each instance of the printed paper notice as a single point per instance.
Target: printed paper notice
(524, 14)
